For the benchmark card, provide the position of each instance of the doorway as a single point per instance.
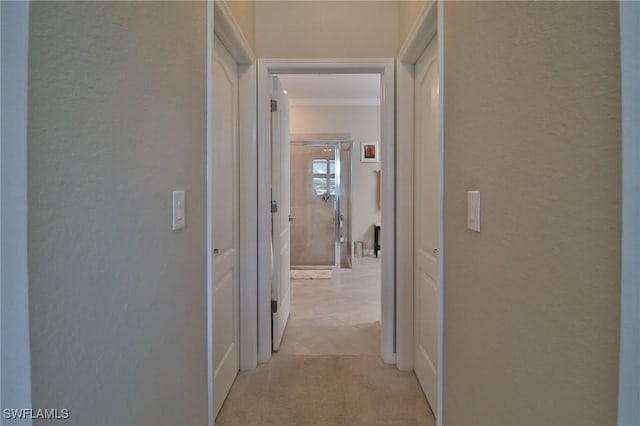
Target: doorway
(224, 225)
(384, 69)
(420, 240)
(335, 297)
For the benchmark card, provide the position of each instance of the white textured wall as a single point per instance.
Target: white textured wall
(629, 387)
(15, 358)
(531, 307)
(117, 118)
(363, 123)
(326, 29)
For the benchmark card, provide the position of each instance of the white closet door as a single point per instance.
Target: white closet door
(226, 360)
(426, 216)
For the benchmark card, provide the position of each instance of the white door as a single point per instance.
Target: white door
(280, 193)
(226, 360)
(426, 216)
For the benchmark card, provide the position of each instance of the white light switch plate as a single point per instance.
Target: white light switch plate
(179, 210)
(473, 210)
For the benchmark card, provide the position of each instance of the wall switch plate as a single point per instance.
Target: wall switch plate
(473, 210)
(179, 210)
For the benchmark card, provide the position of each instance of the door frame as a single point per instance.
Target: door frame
(227, 30)
(429, 24)
(386, 68)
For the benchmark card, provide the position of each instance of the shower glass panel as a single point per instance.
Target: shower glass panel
(345, 206)
(313, 205)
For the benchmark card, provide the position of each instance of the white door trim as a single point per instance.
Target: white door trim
(386, 68)
(629, 373)
(421, 34)
(248, 216)
(231, 36)
(209, 185)
(429, 24)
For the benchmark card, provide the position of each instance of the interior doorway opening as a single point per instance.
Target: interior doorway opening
(373, 150)
(339, 112)
(334, 122)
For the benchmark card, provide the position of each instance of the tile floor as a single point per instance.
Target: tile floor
(340, 316)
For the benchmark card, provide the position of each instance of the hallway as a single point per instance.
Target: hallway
(328, 370)
(108, 282)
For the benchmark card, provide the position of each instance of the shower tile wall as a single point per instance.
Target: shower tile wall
(313, 229)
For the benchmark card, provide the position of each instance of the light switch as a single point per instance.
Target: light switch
(473, 210)
(179, 210)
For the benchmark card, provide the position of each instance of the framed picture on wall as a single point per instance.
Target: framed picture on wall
(369, 152)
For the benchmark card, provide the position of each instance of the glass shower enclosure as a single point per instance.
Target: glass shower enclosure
(321, 203)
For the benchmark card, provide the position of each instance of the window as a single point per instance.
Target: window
(324, 176)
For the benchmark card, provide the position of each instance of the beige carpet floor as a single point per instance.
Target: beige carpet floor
(330, 390)
(328, 371)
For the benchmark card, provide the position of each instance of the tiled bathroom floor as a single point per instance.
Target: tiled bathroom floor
(340, 316)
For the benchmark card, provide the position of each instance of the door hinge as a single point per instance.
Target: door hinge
(274, 105)
(274, 306)
(274, 206)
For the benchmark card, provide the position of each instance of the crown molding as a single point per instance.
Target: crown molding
(334, 102)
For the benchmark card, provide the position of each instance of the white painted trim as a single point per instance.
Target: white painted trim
(441, 290)
(325, 66)
(420, 35)
(209, 186)
(265, 253)
(629, 372)
(335, 102)
(404, 213)
(230, 34)
(248, 217)
(386, 68)
(321, 137)
(413, 47)
(429, 24)
(388, 213)
(15, 343)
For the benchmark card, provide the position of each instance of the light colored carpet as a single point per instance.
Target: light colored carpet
(311, 274)
(331, 390)
(328, 371)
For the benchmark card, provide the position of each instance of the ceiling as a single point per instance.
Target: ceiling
(332, 89)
